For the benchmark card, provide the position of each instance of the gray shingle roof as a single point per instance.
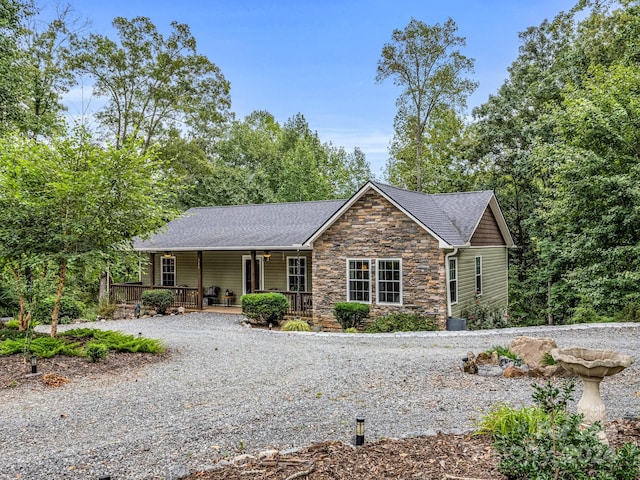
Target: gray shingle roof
(451, 216)
(266, 226)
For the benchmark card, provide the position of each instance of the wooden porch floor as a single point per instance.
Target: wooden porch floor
(234, 309)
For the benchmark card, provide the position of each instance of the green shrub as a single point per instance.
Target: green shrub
(350, 314)
(265, 308)
(96, 351)
(350, 330)
(630, 313)
(482, 315)
(106, 309)
(12, 324)
(117, 341)
(43, 347)
(70, 309)
(158, 300)
(296, 326)
(546, 442)
(402, 322)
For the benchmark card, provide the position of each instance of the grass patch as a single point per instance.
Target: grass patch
(502, 352)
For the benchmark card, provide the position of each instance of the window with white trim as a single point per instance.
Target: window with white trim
(453, 280)
(478, 275)
(168, 271)
(359, 280)
(297, 274)
(389, 285)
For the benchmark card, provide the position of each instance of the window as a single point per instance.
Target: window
(453, 280)
(389, 272)
(359, 283)
(168, 271)
(478, 275)
(297, 274)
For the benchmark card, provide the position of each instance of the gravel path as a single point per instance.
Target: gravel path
(229, 389)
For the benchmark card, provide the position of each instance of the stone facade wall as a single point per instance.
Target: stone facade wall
(374, 229)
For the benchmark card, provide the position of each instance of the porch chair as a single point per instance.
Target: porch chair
(211, 295)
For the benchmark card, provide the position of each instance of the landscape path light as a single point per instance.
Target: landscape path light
(34, 363)
(359, 431)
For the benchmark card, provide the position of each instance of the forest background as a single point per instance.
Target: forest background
(559, 143)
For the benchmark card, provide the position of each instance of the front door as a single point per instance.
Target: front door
(246, 273)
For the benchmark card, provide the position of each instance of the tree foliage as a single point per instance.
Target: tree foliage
(152, 83)
(558, 143)
(74, 198)
(425, 61)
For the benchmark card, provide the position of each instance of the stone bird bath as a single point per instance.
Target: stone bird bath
(592, 366)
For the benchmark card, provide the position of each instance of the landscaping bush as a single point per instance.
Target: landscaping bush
(481, 315)
(117, 341)
(547, 442)
(296, 326)
(106, 309)
(350, 314)
(351, 330)
(158, 300)
(70, 309)
(96, 351)
(265, 308)
(402, 322)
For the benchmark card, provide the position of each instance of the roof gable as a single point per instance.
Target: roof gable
(451, 218)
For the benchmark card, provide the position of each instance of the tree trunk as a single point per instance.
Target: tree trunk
(103, 292)
(62, 274)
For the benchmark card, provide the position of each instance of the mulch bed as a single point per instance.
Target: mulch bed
(15, 371)
(452, 457)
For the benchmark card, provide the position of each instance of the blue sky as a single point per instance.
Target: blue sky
(319, 57)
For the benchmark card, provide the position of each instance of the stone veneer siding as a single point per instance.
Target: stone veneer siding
(373, 229)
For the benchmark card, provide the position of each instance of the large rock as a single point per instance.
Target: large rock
(532, 350)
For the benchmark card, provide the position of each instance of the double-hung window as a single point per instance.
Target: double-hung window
(359, 280)
(453, 280)
(297, 274)
(168, 271)
(478, 275)
(389, 285)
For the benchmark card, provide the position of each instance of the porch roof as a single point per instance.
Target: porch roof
(242, 227)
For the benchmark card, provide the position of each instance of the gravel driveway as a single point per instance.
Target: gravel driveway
(229, 389)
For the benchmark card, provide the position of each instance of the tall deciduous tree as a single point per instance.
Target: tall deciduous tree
(74, 198)
(13, 14)
(153, 83)
(425, 61)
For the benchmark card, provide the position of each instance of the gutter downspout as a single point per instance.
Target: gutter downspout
(446, 266)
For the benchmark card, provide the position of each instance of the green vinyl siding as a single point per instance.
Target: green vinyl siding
(223, 269)
(494, 277)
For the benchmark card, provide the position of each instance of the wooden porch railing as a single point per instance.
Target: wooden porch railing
(131, 293)
(300, 303)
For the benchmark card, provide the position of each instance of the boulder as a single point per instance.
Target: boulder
(512, 372)
(469, 364)
(532, 349)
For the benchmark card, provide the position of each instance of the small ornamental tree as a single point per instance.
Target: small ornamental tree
(73, 197)
(265, 308)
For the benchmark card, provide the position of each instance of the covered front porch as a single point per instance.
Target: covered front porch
(204, 279)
